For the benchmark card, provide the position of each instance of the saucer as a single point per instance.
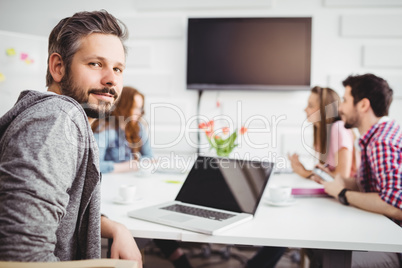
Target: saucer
(290, 201)
(118, 200)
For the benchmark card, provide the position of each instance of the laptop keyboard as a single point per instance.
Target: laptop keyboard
(204, 213)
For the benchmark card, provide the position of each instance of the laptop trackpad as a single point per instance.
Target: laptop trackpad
(176, 217)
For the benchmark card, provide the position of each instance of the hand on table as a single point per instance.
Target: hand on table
(326, 169)
(333, 188)
(297, 166)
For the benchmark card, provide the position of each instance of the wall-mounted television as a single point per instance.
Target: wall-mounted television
(265, 54)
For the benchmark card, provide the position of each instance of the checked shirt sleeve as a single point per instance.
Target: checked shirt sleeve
(387, 165)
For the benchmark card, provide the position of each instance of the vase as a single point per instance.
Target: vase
(222, 153)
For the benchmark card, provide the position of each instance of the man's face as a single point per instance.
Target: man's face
(95, 78)
(348, 111)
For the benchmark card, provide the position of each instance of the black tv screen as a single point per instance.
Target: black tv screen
(249, 53)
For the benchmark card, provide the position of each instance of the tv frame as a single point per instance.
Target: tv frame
(252, 87)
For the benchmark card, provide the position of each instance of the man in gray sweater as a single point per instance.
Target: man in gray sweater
(49, 168)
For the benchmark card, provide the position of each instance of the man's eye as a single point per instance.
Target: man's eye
(118, 70)
(96, 64)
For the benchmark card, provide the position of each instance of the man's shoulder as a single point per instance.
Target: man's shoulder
(44, 111)
(32, 100)
(59, 100)
(33, 106)
(390, 127)
(389, 132)
(53, 105)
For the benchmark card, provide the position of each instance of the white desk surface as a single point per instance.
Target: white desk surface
(319, 222)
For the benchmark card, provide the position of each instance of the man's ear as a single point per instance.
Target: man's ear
(364, 105)
(56, 67)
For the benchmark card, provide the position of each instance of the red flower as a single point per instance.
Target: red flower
(202, 126)
(243, 130)
(208, 126)
(211, 124)
(225, 130)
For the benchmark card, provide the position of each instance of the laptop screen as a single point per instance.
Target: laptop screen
(229, 184)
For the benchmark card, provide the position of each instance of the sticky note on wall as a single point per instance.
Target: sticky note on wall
(10, 52)
(24, 56)
(2, 77)
(29, 61)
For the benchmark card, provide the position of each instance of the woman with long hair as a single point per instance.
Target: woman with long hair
(333, 143)
(122, 138)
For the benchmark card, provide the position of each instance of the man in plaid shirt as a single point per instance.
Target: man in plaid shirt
(378, 185)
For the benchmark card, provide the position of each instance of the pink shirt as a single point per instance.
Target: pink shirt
(340, 138)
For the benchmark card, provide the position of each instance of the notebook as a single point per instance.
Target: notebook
(218, 193)
(309, 192)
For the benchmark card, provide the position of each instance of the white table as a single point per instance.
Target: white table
(319, 222)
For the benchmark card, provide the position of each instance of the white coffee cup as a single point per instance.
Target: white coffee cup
(127, 192)
(279, 193)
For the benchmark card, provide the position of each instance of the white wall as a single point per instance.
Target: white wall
(349, 37)
(20, 72)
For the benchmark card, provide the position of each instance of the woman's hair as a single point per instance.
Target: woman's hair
(65, 38)
(329, 102)
(121, 117)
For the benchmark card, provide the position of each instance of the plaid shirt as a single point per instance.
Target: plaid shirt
(381, 162)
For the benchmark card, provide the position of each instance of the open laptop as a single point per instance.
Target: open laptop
(218, 194)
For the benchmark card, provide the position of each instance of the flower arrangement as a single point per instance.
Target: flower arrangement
(221, 140)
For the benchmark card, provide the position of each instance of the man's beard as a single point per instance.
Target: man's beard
(351, 122)
(100, 110)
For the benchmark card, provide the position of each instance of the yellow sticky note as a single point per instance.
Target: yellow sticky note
(173, 181)
(2, 77)
(11, 52)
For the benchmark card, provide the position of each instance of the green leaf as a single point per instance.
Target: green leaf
(223, 147)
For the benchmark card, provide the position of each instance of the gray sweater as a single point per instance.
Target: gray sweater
(49, 181)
